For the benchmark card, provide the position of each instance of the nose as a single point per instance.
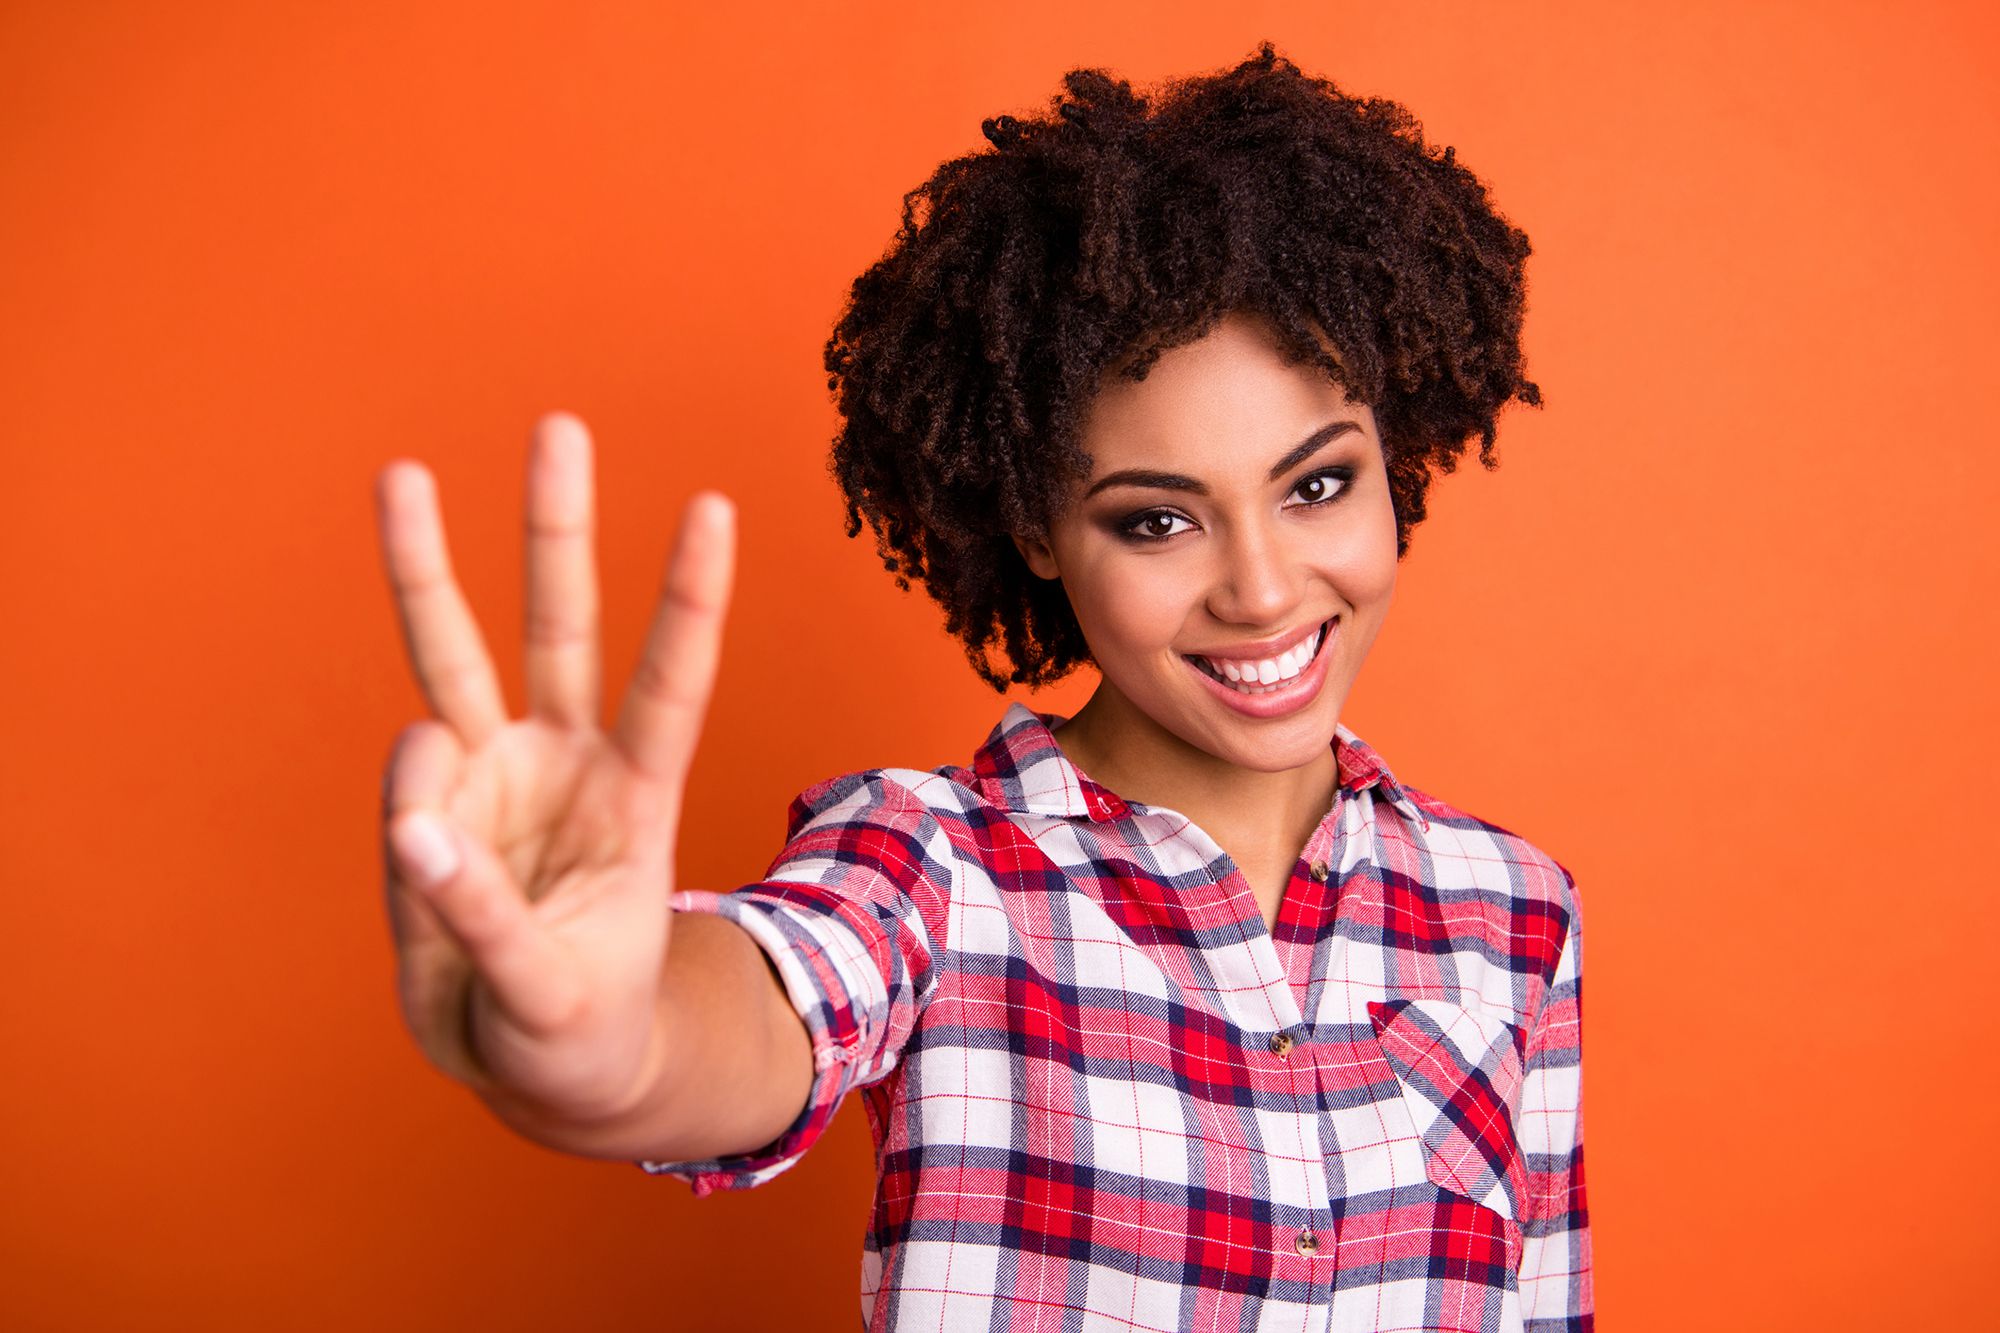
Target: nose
(1256, 581)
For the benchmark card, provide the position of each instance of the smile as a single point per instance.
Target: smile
(1264, 675)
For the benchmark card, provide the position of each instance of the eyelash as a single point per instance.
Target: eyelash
(1128, 528)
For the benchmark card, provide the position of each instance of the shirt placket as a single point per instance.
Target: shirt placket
(1299, 1051)
(1280, 1043)
(1302, 1232)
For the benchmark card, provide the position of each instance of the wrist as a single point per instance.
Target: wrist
(603, 1126)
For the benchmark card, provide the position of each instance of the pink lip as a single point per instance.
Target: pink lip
(1288, 698)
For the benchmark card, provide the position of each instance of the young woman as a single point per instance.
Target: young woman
(1179, 1013)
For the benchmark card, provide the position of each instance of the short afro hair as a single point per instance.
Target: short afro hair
(1092, 240)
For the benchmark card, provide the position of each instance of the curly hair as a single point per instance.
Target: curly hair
(1092, 240)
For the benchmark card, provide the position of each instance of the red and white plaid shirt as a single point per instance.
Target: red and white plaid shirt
(1105, 1096)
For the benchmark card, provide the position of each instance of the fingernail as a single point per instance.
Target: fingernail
(426, 848)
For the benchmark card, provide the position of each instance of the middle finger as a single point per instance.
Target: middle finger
(561, 624)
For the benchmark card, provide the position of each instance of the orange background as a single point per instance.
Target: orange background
(1716, 634)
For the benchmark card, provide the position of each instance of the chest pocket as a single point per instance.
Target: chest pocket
(1460, 1072)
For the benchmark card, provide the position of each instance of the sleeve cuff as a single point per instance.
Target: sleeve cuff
(819, 995)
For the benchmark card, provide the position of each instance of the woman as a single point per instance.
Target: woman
(1180, 1013)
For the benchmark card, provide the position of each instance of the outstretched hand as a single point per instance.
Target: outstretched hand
(528, 861)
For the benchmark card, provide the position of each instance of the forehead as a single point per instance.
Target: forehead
(1226, 402)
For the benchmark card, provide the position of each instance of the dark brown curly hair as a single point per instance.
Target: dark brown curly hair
(1094, 239)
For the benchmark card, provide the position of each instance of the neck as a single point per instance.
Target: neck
(1114, 744)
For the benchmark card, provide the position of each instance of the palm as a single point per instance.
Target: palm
(531, 973)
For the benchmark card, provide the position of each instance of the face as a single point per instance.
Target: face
(1231, 556)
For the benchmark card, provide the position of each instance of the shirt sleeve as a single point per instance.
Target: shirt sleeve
(1555, 1276)
(845, 914)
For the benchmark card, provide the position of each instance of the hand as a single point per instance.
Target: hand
(529, 862)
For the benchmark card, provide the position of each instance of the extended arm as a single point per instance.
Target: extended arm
(728, 1068)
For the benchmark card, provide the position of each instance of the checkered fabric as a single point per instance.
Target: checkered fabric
(1105, 1096)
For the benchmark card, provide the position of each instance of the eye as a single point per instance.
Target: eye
(1154, 525)
(1326, 485)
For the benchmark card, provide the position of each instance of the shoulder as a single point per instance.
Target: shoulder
(1452, 831)
(878, 830)
(884, 795)
(1468, 852)
(1018, 747)
(1470, 857)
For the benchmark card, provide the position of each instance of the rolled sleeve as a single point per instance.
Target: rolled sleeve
(1555, 1274)
(844, 914)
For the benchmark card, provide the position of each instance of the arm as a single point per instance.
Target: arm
(729, 1065)
(528, 869)
(529, 863)
(848, 917)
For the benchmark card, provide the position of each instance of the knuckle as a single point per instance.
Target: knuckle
(410, 737)
(416, 747)
(415, 581)
(456, 676)
(658, 683)
(547, 627)
(557, 529)
(684, 600)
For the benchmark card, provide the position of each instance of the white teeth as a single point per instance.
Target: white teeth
(1259, 677)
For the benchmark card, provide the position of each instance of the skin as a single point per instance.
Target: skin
(1249, 559)
(537, 960)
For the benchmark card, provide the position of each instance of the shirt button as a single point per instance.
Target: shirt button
(1318, 872)
(1281, 1045)
(1308, 1243)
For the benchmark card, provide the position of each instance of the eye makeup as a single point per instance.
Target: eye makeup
(1136, 526)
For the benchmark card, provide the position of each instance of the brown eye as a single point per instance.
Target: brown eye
(1155, 525)
(1321, 487)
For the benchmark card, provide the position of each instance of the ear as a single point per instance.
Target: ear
(1041, 560)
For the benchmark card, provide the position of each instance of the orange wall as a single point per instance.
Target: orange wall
(1717, 633)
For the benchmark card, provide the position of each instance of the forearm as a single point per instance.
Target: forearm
(728, 1069)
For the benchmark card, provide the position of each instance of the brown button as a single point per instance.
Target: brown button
(1281, 1044)
(1308, 1243)
(1318, 872)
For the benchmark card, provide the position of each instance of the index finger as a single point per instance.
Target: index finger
(660, 719)
(445, 648)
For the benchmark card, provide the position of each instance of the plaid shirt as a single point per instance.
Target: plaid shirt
(1105, 1096)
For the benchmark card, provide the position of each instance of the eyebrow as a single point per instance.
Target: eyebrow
(1175, 481)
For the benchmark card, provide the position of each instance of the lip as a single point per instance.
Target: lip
(1289, 697)
(1256, 650)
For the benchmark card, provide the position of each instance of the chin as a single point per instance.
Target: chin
(1275, 746)
(1276, 757)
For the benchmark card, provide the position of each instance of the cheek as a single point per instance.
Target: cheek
(1128, 601)
(1368, 583)
(1367, 570)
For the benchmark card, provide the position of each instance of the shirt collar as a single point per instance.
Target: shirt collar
(1021, 768)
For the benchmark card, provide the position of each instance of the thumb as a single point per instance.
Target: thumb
(528, 973)
(425, 848)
